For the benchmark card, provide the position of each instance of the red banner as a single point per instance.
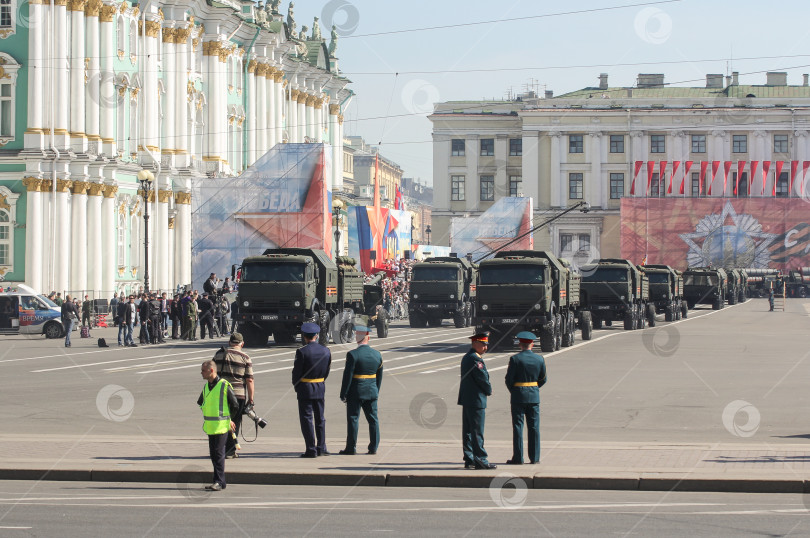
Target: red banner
(715, 168)
(662, 171)
(726, 168)
(650, 172)
(794, 167)
(721, 232)
(637, 169)
(740, 168)
(703, 166)
(766, 167)
(754, 165)
(675, 165)
(686, 167)
(803, 188)
(779, 165)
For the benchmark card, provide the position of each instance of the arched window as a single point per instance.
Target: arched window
(120, 118)
(238, 74)
(6, 238)
(122, 238)
(121, 37)
(133, 39)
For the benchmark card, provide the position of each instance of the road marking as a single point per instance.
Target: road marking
(111, 362)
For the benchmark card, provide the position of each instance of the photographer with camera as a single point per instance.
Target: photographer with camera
(218, 405)
(235, 367)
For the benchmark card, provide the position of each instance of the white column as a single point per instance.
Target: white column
(59, 93)
(162, 252)
(556, 180)
(109, 239)
(169, 104)
(270, 95)
(717, 153)
(319, 120)
(92, 117)
(279, 104)
(594, 187)
(33, 232)
(94, 245)
(309, 106)
(639, 154)
(302, 116)
(217, 103)
(78, 140)
(337, 149)
(181, 38)
(183, 237)
(36, 82)
(61, 276)
(261, 110)
(252, 113)
(800, 142)
(531, 168)
(107, 94)
(78, 252)
(292, 116)
(151, 120)
(172, 285)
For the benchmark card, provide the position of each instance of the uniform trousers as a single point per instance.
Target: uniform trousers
(472, 434)
(313, 425)
(531, 411)
(206, 322)
(216, 449)
(369, 408)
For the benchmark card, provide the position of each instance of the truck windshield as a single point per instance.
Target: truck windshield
(658, 278)
(699, 280)
(435, 273)
(275, 271)
(514, 274)
(605, 274)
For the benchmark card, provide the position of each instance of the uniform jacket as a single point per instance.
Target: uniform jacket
(86, 307)
(206, 308)
(362, 361)
(474, 387)
(525, 367)
(191, 310)
(312, 361)
(175, 310)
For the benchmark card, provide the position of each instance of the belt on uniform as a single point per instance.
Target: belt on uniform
(528, 384)
(372, 376)
(308, 380)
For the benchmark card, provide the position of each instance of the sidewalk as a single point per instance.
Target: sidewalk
(783, 468)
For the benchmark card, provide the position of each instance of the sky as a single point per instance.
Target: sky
(560, 46)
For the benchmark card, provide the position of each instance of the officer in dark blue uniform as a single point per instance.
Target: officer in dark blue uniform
(360, 389)
(472, 396)
(310, 370)
(525, 375)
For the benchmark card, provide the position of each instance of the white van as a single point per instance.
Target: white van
(24, 311)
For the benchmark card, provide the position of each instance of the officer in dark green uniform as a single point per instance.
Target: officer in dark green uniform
(361, 388)
(525, 375)
(472, 397)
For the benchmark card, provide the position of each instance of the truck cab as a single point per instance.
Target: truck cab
(616, 290)
(705, 285)
(666, 291)
(442, 288)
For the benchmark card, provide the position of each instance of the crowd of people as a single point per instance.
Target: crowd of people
(396, 287)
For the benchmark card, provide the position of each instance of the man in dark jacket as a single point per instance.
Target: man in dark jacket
(206, 308)
(310, 370)
(143, 317)
(176, 315)
(114, 309)
(87, 308)
(525, 375)
(360, 389)
(155, 316)
(472, 396)
(70, 316)
(120, 316)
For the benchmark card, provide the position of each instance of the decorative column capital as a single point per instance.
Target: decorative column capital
(252, 66)
(106, 13)
(95, 189)
(721, 134)
(63, 185)
(800, 133)
(261, 68)
(164, 196)
(555, 134)
(171, 223)
(77, 5)
(150, 197)
(636, 134)
(152, 28)
(302, 98)
(169, 35)
(181, 35)
(182, 198)
(294, 95)
(278, 76)
(310, 100)
(211, 48)
(109, 191)
(334, 109)
(80, 187)
(32, 184)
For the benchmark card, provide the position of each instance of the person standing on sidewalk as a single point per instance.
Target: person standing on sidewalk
(525, 375)
(310, 370)
(70, 316)
(176, 312)
(472, 397)
(86, 309)
(360, 389)
(191, 317)
(235, 367)
(218, 404)
(770, 298)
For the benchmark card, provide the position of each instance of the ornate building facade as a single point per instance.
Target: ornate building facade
(94, 91)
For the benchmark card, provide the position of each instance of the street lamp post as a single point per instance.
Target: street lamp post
(145, 177)
(427, 231)
(337, 205)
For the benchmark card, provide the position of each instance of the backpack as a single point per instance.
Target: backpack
(85, 331)
(102, 343)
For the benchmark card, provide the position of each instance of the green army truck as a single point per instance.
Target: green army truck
(735, 292)
(527, 290)
(797, 282)
(705, 285)
(616, 290)
(286, 287)
(666, 291)
(442, 288)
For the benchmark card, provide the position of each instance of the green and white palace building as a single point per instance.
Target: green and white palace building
(94, 91)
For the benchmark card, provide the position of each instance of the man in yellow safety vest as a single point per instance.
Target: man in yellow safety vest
(218, 404)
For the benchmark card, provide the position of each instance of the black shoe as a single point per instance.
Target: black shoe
(532, 462)
(216, 486)
(133, 345)
(346, 452)
(469, 465)
(324, 453)
(485, 466)
(231, 456)
(514, 462)
(308, 455)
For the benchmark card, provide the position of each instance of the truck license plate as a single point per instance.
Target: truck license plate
(603, 307)
(432, 306)
(269, 317)
(510, 320)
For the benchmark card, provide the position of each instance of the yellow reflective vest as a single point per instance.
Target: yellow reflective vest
(215, 409)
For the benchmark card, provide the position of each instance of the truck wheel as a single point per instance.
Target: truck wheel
(54, 330)
(732, 298)
(802, 292)
(558, 328)
(469, 310)
(608, 323)
(415, 320)
(547, 340)
(684, 310)
(586, 325)
(323, 322)
(568, 333)
(346, 332)
(597, 323)
(669, 314)
(651, 314)
(382, 327)
(716, 305)
(459, 319)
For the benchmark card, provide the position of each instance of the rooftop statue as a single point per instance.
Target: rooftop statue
(291, 19)
(333, 42)
(316, 30)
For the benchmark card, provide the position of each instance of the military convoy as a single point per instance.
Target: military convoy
(442, 288)
(705, 285)
(528, 290)
(617, 290)
(737, 286)
(666, 291)
(286, 287)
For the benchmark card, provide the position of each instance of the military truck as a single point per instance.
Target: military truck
(760, 280)
(528, 290)
(736, 286)
(797, 282)
(442, 288)
(286, 287)
(616, 290)
(705, 285)
(666, 291)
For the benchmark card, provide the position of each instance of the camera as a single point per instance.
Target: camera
(260, 422)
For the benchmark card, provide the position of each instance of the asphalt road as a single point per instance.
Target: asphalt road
(114, 509)
(675, 382)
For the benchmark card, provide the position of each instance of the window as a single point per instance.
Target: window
(575, 186)
(658, 144)
(457, 188)
(695, 185)
(657, 186)
(6, 111)
(617, 143)
(780, 143)
(487, 188)
(515, 186)
(566, 242)
(5, 14)
(5, 238)
(742, 189)
(574, 143)
(121, 240)
(698, 143)
(515, 147)
(584, 242)
(616, 185)
(457, 147)
(487, 147)
(739, 143)
(133, 39)
(782, 185)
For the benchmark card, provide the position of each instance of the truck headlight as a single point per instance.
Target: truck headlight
(622, 298)
(452, 296)
(538, 306)
(246, 303)
(415, 296)
(297, 304)
(484, 307)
